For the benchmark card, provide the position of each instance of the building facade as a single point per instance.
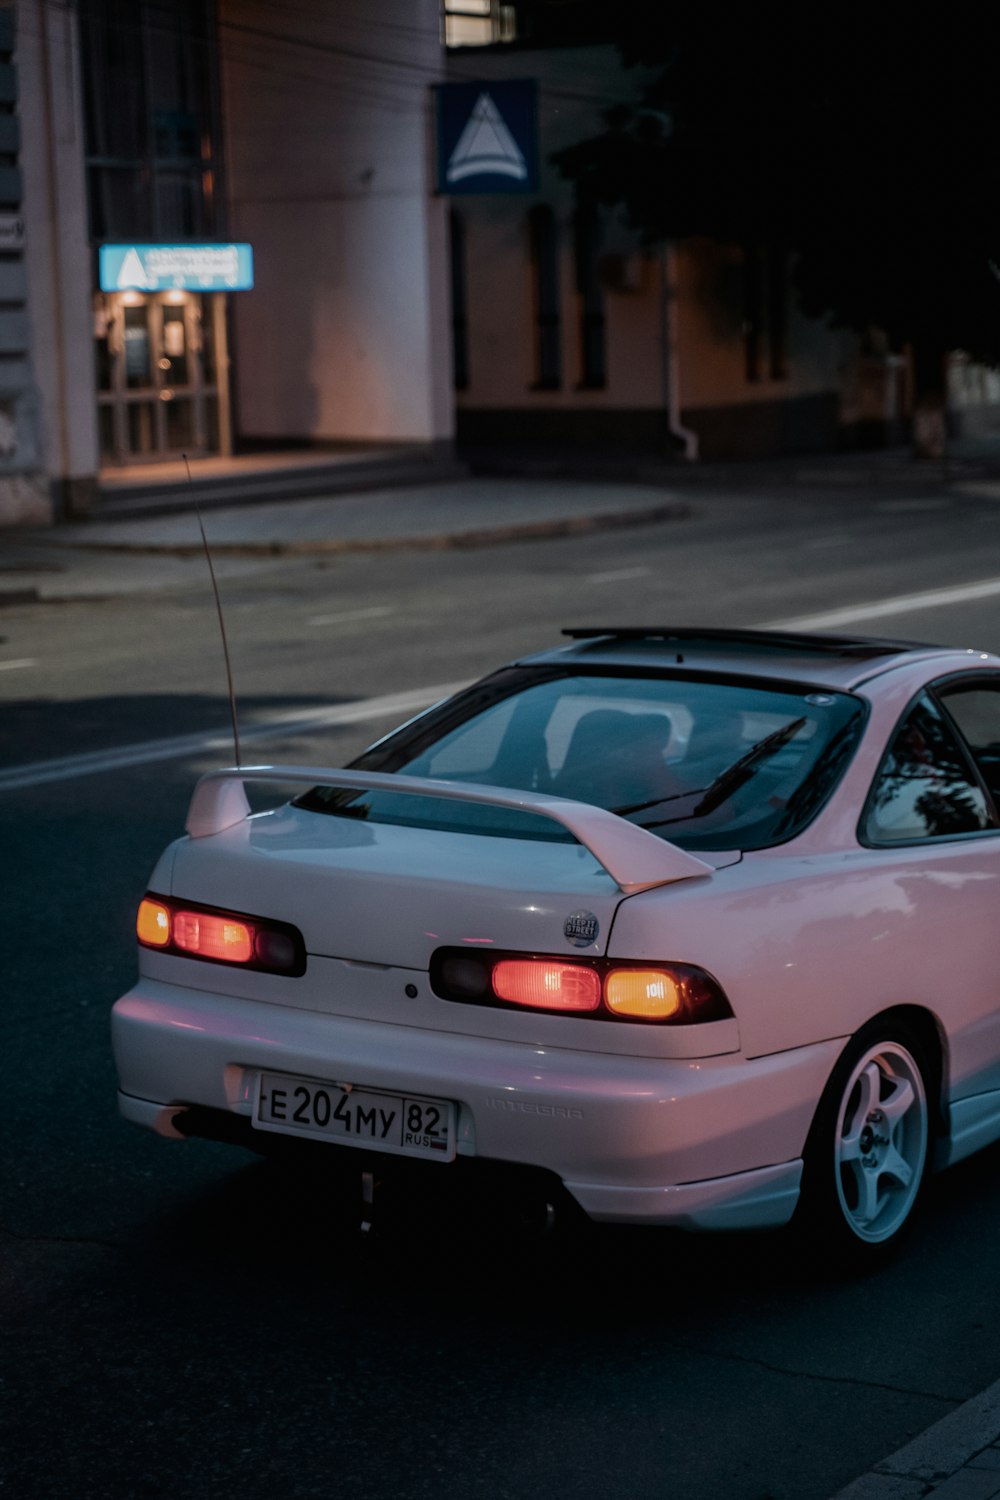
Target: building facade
(173, 134)
(568, 331)
(151, 150)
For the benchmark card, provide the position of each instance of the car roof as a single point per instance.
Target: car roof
(838, 661)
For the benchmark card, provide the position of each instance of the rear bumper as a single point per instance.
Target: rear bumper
(712, 1143)
(761, 1199)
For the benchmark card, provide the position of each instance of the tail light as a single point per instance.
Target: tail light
(220, 937)
(650, 994)
(545, 984)
(603, 989)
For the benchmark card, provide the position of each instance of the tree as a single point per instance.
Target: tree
(864, 142)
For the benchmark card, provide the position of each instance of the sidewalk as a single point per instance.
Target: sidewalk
(145, 534)
(957, 1458)
(105, 556)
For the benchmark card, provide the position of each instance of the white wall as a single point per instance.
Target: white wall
(58, 260)
(329, 176)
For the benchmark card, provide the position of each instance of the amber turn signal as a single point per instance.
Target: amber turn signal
(652, 994)
(152, 924)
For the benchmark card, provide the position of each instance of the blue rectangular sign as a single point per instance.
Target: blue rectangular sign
(167, 268)
(487, 137)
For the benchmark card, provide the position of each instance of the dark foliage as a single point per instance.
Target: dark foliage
(866, 141)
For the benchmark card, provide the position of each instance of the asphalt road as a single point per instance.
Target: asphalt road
(184, 1321)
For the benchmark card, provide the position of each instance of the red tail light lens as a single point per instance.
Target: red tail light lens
(602, 989)
(220, 937)
(208, 936)
(547, 984)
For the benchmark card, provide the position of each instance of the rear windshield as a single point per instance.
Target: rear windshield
(707, 765)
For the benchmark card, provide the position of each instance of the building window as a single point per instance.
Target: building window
(459, 303)
(765, 313)
(477, 23)
(593, 354)
(149, 87)
(777, 312)
(545, 275)
(10, 133)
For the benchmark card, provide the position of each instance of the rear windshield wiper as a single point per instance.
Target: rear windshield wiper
(738, 774)
(730, 781)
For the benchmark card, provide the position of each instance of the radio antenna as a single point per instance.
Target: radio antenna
(222, 623)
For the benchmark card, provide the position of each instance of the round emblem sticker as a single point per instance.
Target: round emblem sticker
(581, 928)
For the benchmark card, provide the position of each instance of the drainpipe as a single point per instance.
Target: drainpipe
(669, 382)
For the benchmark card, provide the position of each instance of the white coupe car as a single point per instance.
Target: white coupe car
(699, 923)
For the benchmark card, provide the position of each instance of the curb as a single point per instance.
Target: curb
(958, 1458)
(486, 537)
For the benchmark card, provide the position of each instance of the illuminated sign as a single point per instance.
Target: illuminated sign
(168, 268)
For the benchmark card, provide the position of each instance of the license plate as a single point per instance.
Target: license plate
(398, 1123)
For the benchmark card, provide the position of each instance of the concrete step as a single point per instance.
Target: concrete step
(273, 478)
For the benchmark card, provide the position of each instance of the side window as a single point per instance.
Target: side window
(925, 788)
(976, 710)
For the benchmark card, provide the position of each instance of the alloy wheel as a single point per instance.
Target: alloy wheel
(881, 1141)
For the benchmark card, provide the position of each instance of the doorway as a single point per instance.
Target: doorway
(162, 367)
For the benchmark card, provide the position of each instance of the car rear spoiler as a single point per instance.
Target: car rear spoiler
(635, 859)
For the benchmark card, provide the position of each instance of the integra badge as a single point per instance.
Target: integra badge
(581, 928)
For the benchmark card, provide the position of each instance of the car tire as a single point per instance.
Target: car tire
(866, 1155)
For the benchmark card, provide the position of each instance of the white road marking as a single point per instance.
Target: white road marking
(619, 575)
(348, 616)
(817, 543)
(902, 604)
(39, 772)
(917, 504)
(25, 661)
(94, 763)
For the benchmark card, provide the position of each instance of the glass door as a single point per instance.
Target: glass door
(158, 364)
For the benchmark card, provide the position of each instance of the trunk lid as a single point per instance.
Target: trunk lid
(384, 894)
